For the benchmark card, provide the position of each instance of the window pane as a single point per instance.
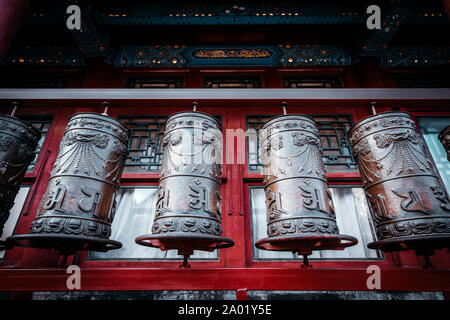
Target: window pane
(352, 217)
(232, 82)
(41, 123)
(333, 129)
(309, 82)
(155, 82)
(144, 147)
(134, 217)
(431, 126)
(15, 211)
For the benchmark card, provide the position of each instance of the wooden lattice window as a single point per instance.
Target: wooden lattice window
(144, 147)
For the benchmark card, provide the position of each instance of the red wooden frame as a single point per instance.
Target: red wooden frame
(34, 269)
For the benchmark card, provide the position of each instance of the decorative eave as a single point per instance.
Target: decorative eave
(234, 14)
(238, 56)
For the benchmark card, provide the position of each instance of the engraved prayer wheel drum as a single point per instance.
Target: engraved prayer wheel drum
(18, 142)
(300, 211)
(408, 201)
(79, 204)
(444, 137)
(188, 208)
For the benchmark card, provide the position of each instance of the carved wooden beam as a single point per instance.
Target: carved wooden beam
(182, 56)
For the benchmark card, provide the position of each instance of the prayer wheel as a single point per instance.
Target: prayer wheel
(409, 204)
(444, 137)
(188, 208)
(78, 207)
(300, 212)
(18, 142)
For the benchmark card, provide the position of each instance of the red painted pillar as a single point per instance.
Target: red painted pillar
(11, 14)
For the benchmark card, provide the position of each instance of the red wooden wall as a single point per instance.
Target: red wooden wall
(26, 269)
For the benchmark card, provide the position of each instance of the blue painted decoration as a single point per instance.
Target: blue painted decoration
(196, 56)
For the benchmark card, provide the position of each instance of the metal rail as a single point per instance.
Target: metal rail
(226, 94)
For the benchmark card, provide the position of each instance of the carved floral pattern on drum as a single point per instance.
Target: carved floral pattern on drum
(310, 155)
(79, 151)
(86, 123)
(70, 225)
(25, 154)
(382, 123)
(399, 152)
(277, 126)
(188, 224)
(20, 132)
(205, 157)
(16, 170)
(305, 225)
(411, 227)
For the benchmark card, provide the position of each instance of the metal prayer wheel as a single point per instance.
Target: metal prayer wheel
(188, 207)
(408, 201)
(18, 142)
(300, 212)
(444, 137)
(78, 207)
